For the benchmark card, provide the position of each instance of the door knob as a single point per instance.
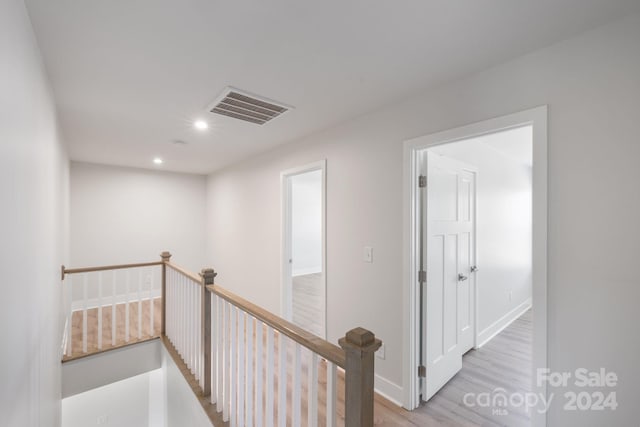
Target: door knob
(462, 277)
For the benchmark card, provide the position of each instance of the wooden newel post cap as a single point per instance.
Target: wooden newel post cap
(208, 274)
(166, 255)
(360, 340)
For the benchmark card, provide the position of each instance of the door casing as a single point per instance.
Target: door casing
(537, 118)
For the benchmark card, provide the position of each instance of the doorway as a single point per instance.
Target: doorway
(447, 341)
(303, 247)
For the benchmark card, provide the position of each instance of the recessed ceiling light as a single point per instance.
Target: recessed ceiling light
(200, 124)
(158, 161)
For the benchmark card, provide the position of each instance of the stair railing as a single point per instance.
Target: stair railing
(247, 365)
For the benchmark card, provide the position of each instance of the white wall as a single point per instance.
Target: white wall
(125, 215)
(126, 403)
(591, 86)
(33, 228)
(503, 231)
(306, 222)
(153, 398)
(182, 408)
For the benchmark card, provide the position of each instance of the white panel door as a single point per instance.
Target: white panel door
(448, 254)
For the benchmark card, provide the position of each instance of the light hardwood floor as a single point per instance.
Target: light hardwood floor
(308, 303)
(504, 362)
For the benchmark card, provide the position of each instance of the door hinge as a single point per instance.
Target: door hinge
(422, 181)
(422, 276)
(422, 372)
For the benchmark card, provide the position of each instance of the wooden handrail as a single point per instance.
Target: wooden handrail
(66, 271)
(323, 348)
(184, 272)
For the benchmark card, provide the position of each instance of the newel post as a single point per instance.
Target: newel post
(208, 276)
(360, 346)
(166, 256)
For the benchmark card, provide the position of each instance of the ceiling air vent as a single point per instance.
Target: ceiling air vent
(244, 106)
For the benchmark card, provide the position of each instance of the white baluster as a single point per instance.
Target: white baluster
(192, 329)
(312, 391)
(192, 314)
(184, 315)
(180, 307)
(151, 307)
(183, 318)
(169, 314)
(233, 366)
(296, 398)
(174, 307)
(226, 364)
(189, 314)
(100, 310)
(140, 304)
(214, 346)
(178, 335)
(259, 374)
(85, 296)
(197, 329)
(70, 325)
(113, 307)
(168, 297)
(282, 380)
(250, 371)
(270, 390)
(195, 289)
(126, 321)
(173, 320)
(331, 394)
(190, 311)
(241, 368)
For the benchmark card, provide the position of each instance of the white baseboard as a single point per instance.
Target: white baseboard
(305, 271)
(388, 390)
(385, 388)
(78, 305)
(499, 325)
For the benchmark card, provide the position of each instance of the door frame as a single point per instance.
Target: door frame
(537, 118)
(286, 293)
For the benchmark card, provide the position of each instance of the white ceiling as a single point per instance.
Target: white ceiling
(515, 143)
(131, 76)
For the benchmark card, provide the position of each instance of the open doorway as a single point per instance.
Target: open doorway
(303, 247)
(476, 237)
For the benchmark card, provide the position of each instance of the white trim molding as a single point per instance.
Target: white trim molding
(385, 388)
(390, 391)
(500, 325)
